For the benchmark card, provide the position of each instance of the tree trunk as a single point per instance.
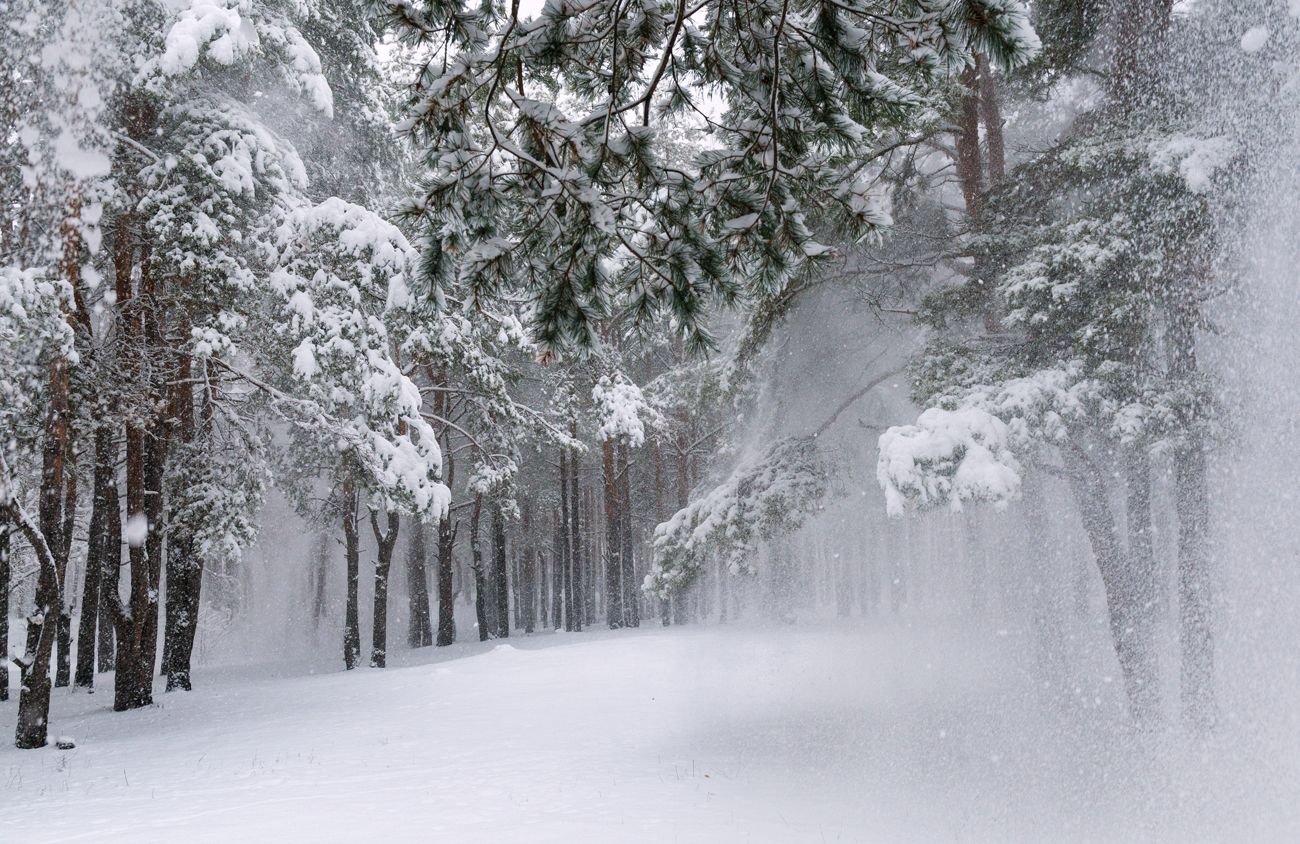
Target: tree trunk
(499, 564)
(528, 572)
(476, 566)
(5, 574)
(446, 595)
(566, 545)
(420, 633)
(34, 689)
(320, 568)
(105, 476)
(386, 539)
(613, 543)
(1130, 614)
(557, 572)
(352, 553)
(1192, 504)
(184, 562)
(969, 165)
(63, 672)
(991, 115)
(575, 536)
(631, 588)
(111, 575)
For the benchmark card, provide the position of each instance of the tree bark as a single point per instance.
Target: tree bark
(566, 546)
(420, 633)
(580, 585)
(528, 572)
(1192, 505)
(352, 554)
(111, 575)
(63, 672)
(613, 542)
(5, 575)
(34, 691)
(991, 116)
(631, 588)
(446, 595)
(105, 476)
(386, 539)
(502, 593)
(184, 562)
(476, 566)
(1130, 613)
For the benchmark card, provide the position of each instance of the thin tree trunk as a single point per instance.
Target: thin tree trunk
(528, 572)
(386, 539)
(111, 575)
(5, 574)
(420, 633)
(566, 545)
(499, 563)
(579, 578)
(557, 572)
(476, 566)
(63, 672)
(1191, 502)
(34, 690)
(320, 570)
(613, 543)
(104, 478)
(446, 595)
(631, 588)
(352, 555)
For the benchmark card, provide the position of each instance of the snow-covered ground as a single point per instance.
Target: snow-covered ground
(804, 733)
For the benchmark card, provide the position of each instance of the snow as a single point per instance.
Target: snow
(136, 530)
(1254, 39)
(947, 457)
(802, 734)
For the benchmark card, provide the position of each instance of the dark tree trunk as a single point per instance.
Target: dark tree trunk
(613, 544)
(5, 574)
(184, 562)
(386, 539)
(420, 633)
(111, 575)
(566, 545)
(446, 534)
(63, 673)
(502, 592)
(575, 538)
(352, 554)
(631, 588)
(991, 115)
(557, 572)
(1130, 622)
(969, 164)
(105, 477)
(446, 595)
(184, 582)
(476, 566)
(34, 690)
(528, 573)
(137, 643)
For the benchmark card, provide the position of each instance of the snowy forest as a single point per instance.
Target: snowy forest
(650, 420)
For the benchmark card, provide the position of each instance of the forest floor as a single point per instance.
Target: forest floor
(720, 734)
